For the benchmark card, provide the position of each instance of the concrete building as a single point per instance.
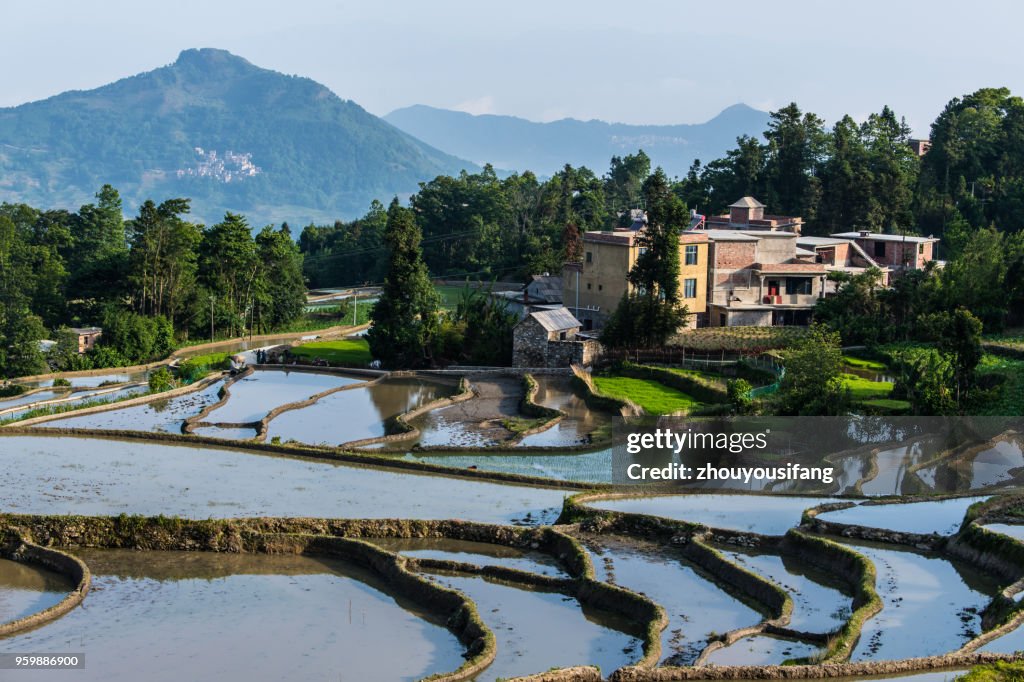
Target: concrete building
(899, 252)
(757, 279)
(748, 214)
(551, 338)
(592, 289)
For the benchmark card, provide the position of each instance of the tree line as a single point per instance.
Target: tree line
(151, 282)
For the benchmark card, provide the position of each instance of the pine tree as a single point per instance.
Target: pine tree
(405, 317)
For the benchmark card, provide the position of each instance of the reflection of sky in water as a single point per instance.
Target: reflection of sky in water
(928, 608)
(760, 650)
(763, 514)
(941, 516)
(161, 414)
(993, 465)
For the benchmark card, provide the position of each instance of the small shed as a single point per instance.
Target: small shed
(548, 338)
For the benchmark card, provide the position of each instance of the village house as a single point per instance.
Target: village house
(896, 251)
(551, 338)
(87, 337)
(593, 288)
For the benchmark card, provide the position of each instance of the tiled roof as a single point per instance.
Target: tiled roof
(874, 236)
(747, 202)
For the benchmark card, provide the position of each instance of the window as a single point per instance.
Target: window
(798, 285)
(920, 248)
(590, 257)
(561, 336)
(879, 249)
(642, 250)
(690, 288)
(691, 254)
(600, 287)
(588, 286)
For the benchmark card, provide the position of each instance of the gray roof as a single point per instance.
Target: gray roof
(808, 240)
(875, 236)
(557, 320)
(747, 202)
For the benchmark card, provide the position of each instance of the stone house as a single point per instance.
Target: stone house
(551, 338)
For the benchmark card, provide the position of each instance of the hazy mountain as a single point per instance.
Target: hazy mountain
(518, 144)
(213, 127)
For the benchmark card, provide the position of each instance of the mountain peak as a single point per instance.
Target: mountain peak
(208, 57)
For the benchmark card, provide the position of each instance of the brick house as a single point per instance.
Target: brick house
(899, 252)
(87, 337)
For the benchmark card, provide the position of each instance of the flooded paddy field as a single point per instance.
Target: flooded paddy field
(587, 467)
(162, 414)
(227, 433)
(70, 475)
(257, 394)
(537, 630)
(696, 607)
(96, 380)
(998, 465)
(29, 398)
(477, 553)
(760, 650)
(942, 517)
(580, 421)
(931, 605)
(764, 514)
(27, 588)
(820, 602)
(477, 422)
(195, 615)
(356, 413)
(1014, 531)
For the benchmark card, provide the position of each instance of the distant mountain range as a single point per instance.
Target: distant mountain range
(213, 127)
(514, 143)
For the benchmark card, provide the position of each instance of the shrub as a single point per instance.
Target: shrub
(61, 382)
(160, 379)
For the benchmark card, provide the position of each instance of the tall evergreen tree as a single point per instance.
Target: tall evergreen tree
(405, 317)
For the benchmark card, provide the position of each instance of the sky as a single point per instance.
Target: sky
(635, 62)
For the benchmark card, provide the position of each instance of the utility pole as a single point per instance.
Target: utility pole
(355, 306)
(211, 318)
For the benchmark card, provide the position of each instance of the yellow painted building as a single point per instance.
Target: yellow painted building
(592, 289)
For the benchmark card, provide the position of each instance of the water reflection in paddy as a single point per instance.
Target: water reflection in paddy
(537, 630)
(695, 606)
(164, 414)
(478, 553)
(940, 516)
(225, 433)
(819, 604)
(255, 395)
(29, 398)
(760, 650)
(764, 514)
(580, 421)
(26, 589)
(590, 467)
(179, 615)
(1014, 531)
(68, 475)
(930, 604)
(355, 414)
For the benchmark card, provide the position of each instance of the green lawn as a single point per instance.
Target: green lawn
(347, 352)
(450, 294)
(861, 363)
(654, 397)
(889, 405)
(1008, 399)
(865, 389)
